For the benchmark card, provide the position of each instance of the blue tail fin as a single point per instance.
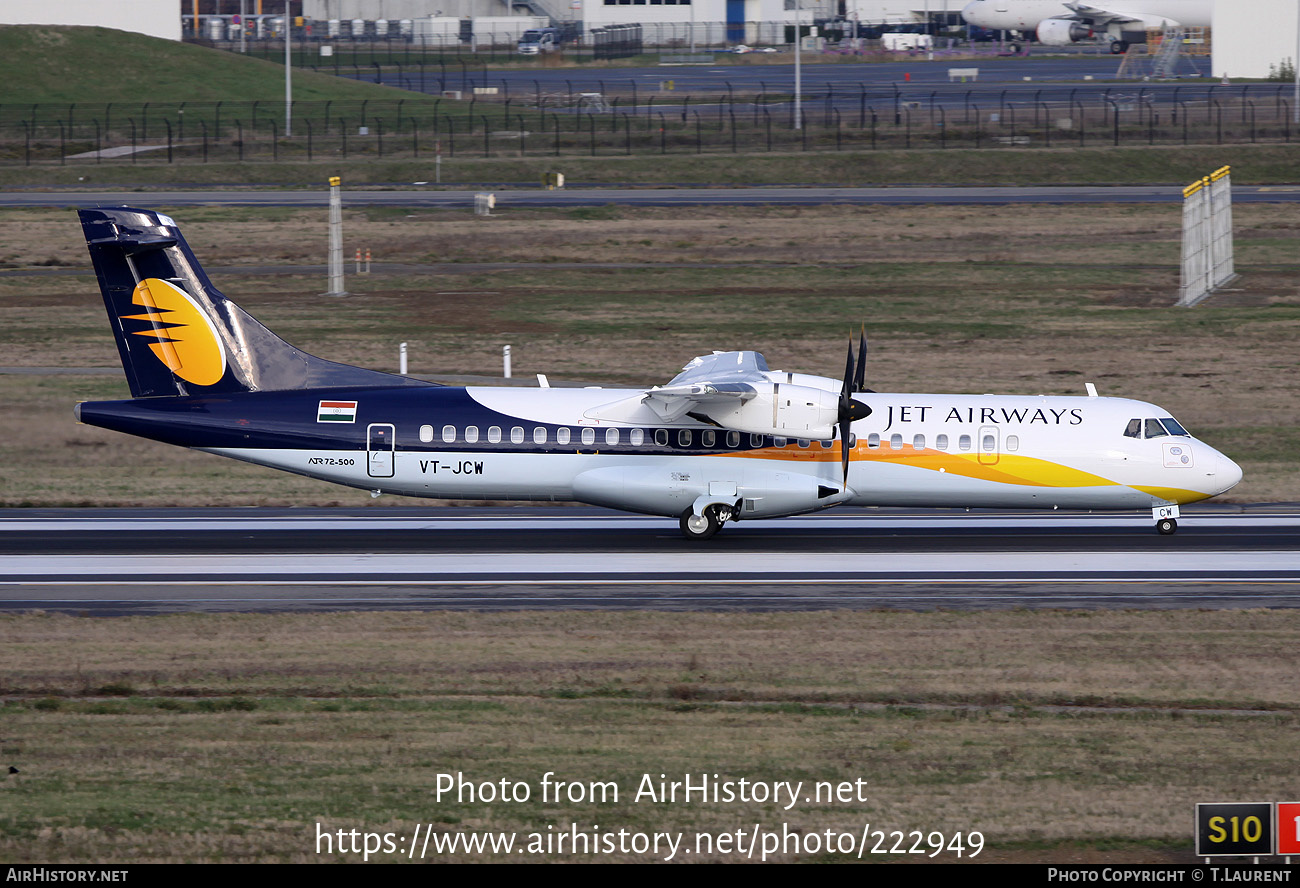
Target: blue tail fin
(177, 334)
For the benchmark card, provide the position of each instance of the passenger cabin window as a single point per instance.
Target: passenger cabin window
(471, 434)
(963, 443)
(941, 442)
(733, 440)
(873, 440)
(778, 442)
(426, 433)
(516, 435)
(755, 440)
(661, 437)
(805, 443)
(539, 435)
(637, 436)
(708, 439)
(494, 434)
(1013, 442)
(827, 445)
(1155, 429)
(611, 437)
(918, 442)
(684, 438)
(448, 434)
(588, 436)
(895, 442)
(989, 444)
(562, 435)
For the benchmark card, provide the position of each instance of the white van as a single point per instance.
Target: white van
(900, 42)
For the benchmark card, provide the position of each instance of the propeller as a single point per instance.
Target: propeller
(860, 375)
(850, 410)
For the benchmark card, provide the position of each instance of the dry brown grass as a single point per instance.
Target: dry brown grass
(1225, 658)
(180, 738)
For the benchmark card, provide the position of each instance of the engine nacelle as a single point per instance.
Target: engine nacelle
(792, 411)
(1062, 32)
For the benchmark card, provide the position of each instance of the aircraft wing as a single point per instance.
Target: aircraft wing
(735, 391)
(716, 379)
(1099, 16)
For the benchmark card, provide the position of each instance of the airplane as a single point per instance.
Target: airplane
(1060, 22)
(725, 440)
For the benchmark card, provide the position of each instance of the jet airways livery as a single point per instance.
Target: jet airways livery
(726, 440)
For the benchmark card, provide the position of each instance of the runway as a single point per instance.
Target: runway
(120, 562)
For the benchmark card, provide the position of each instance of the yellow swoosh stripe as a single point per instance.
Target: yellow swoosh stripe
(1010, 469)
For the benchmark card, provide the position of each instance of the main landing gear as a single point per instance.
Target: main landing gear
(1167, 526)
(704, 526)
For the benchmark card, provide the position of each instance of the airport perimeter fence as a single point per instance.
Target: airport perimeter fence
(493, 122)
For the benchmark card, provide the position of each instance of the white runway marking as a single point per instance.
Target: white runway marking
(609, 567)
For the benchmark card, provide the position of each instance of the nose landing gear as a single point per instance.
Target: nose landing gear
(1166, 519)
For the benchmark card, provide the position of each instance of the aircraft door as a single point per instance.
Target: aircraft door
(989, 445)
(380, 444)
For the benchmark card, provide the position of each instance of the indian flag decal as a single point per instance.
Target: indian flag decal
(337, 411)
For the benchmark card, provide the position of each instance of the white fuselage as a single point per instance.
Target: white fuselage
(1024, 15)
(606, 447)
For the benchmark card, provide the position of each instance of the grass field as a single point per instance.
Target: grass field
(42, 64)
(1252, 165)
(179, 738)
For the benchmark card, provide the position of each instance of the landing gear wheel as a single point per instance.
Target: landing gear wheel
(1013, 47)
(1166, 526)
(700, 527)
(1119, 47)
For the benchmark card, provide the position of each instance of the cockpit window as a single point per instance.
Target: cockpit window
(1154, 429)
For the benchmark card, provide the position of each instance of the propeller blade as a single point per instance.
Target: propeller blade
(847, 388)
(850, 410)
(844, 448)
(860, 375)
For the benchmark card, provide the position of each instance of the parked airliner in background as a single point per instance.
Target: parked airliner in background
(726, 440)
(1059, 22)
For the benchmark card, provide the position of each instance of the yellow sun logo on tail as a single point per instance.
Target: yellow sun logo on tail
(185, 339)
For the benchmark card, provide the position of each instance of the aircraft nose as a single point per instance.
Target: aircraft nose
(1226, 475)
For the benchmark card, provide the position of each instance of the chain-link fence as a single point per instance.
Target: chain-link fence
(493, 121)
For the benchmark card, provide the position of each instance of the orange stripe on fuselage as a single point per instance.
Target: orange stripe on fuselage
(1010, 469)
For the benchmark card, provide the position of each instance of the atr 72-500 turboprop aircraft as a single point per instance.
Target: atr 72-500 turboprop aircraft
(726, 440)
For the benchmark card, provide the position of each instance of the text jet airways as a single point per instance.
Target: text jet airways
(726, 440)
